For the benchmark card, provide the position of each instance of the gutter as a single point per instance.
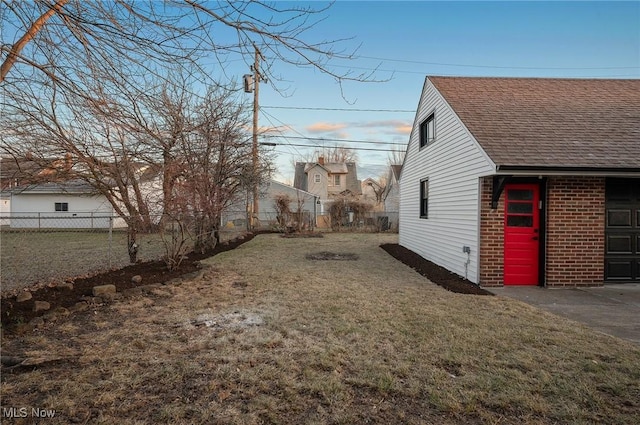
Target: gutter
(515, 170)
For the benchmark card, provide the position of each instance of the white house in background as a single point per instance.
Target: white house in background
(236, 214)
(70, 204)
(391, 194)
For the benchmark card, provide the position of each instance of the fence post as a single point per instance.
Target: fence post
(39, 226)
(110, 238)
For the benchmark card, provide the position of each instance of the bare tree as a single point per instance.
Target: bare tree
(396, 157)
(378, 187)
(332, 154)
(109, 84)
(51, 38)
(217, 165)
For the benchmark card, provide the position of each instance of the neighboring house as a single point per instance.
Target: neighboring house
(391, 194)
(71, 204)
(74, 203)
(236, 214)
(372, 194)
(327, 180)
(525, 181)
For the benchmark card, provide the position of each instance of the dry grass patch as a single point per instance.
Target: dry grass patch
(268, 336)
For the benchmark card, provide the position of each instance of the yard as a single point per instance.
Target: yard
(39, 256)
(319, 330)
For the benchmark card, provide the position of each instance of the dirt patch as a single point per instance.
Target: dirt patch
(58, 295)
(234, 320)
(438, 275)
(326, 256)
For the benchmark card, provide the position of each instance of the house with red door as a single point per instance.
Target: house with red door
(525, 181)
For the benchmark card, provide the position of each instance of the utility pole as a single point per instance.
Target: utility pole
(256, 78)
(252, 84)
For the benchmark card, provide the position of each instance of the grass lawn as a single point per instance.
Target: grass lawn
(269, 336)
(31, 256)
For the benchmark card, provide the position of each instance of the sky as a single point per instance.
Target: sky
(406, 41)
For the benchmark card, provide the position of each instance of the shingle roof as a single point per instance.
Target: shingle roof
(300, 180)
(68, 186)
(547, 123)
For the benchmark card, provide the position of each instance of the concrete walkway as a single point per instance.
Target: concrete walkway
(611, 309)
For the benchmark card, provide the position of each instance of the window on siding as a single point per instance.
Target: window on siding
(424, 198)
(62, 206)
(316, 178)
(336, 180)
(427, 131)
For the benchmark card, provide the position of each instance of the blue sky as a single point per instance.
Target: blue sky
(408, 40)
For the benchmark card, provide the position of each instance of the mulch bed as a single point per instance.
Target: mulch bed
(436, 274)
(14, 313)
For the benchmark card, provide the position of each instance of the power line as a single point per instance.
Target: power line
(320, 146)
(498, 66)
(322, 139)
(271, 122)
(338, 109)
(395, 71)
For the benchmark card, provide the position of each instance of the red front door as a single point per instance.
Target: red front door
(521, 234)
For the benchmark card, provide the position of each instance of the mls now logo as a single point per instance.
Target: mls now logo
(23, 412)
(42, 413)
(15, 412)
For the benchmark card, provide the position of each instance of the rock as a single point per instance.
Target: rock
(60, 312)
(112, 297)
(24, 296)
(103, 289)
(193, 276)
(132, 292)
(36, 321)
(41, 306)
(23, 328)
(80, 306)
(176, 281)
(136, 279)
(65, 285)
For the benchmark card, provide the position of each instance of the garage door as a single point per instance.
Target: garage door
(622, 252)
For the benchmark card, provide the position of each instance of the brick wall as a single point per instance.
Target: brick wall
(491, 237)
(575, 231)
(575, 214)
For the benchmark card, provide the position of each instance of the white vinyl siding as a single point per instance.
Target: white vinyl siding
(40, 210)
(453, 163)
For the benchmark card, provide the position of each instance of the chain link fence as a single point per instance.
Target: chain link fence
(43, 247)
(309, 220)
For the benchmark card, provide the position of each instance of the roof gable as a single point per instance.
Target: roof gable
(547, 123)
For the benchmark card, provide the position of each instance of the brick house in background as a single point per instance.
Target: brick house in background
(328, 181)
(525, 181)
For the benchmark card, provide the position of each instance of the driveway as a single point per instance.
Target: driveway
(611, 309)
